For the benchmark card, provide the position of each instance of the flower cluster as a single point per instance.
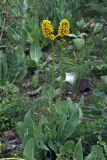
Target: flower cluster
(63, 30)
(47, 30)
(52, 37)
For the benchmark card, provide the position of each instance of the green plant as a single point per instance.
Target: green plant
(49, 134)
(3, 69)
(77, 152)
(51, 137)
(102, 85)
(21, 36)
(7, 93)
(98, 7)
(12, 106)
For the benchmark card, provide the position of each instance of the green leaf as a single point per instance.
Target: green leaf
(69, 146)
(61, 107)
(39, 128)
(3, 68)
(42, 145)
(72, 120)
(79, 43)
(35, 52)
(104, 79)
(61, 124)
(20, 129)
(23, 7)
(17, 65)
(78, 152)
(35, 81)
(98, 28)
(96, 153)
(29, 150)
(46, 93)
(51, 145)
(29, 123)
(35, 33)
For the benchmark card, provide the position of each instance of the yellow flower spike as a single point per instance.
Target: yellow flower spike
(47, 28)
(52, 37)
(64, 28)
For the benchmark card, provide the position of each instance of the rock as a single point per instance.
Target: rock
(85, 85)
(9, 134)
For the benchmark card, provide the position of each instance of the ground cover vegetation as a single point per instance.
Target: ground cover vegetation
(53, 80)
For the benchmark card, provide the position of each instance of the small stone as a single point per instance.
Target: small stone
(85, 85)
(9, 134)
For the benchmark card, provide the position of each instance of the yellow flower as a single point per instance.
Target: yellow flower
(47, 28)
(64, 28)
(52, 37)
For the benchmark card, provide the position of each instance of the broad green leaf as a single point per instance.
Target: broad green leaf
(43, 121)
(51, 145)
(46, 93)
(69, 146)
(20, 129)
(29, 150)
(42, 145)
(79, 43)
(35, 33)
(29, 123)
(73, 117)
(98, 28)
(23, 7)
(96, 153)
(104, 79)
(61, 107)
(39, 129)
(35, 52)
(78, 152)
(61, 124)
(70, 127)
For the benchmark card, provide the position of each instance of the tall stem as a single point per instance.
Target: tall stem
(61, 57)
(52, 77)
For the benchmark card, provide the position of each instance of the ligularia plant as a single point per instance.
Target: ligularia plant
(47, 31)
(63, 30)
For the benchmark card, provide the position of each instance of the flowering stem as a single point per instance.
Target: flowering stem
(52, 77)
(61, 57)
